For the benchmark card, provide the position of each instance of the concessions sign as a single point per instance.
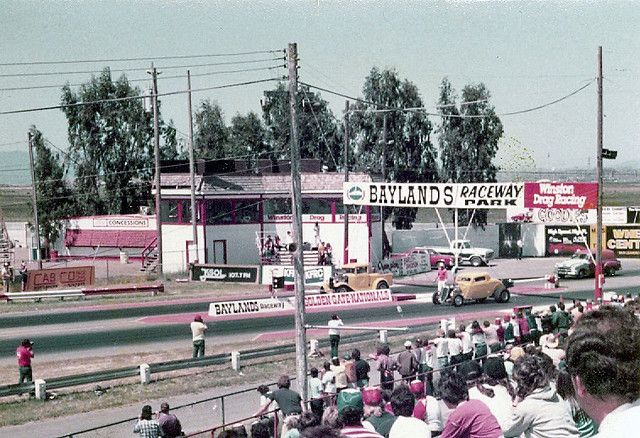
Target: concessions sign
(580, 196)
(61, 277)
(224, 273)
(624, 241)
(471, 195)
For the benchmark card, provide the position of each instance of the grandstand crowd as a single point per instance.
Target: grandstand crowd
(562, 373)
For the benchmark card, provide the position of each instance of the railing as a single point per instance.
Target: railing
(148, 250)
(76, 293)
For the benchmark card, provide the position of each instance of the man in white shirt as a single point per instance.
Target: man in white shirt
(197, 331)
(406, 425)
(603, 358)
(334, 334)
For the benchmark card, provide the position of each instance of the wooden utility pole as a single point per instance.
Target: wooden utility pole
(599, 276)
(194, 215)
(35, 201)
(156, 153)
(384, 175)
(296, 205)
(346, 179)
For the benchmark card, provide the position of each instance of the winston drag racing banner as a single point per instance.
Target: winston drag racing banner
(467, 195)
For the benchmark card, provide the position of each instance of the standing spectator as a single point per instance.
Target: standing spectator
(316, 403)
(523, 325)
(511, 331)
(264, 400)
(585, 425)
(23, 275)
(494, 389)
(534, 329)
(539, 411)
(386, 366)
(491, 334)
(362, 369)
(288, 241)
(407, 363)
(469, 418)
(316, 234)
(441, 279)
(321, 253)
(329, 384)
(6, 276)
(197, 331)
(169, 423)
(25, 353)
(290, 402)
(603, 359)
(520, 245)
(499, 331)
(334, 334)
(406, 425)
(341, 375)
(427, 408)
(442, 349)
(455, 348)
(350, 370)
(478, 340)
(467, 345)
(146, 426)
(421, 356)
(561, 321)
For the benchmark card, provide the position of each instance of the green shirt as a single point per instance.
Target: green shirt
(383, 423)
(561, 321)
(288, 400)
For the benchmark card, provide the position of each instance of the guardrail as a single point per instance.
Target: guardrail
(79, 293)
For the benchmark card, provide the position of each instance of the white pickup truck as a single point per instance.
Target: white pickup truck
(466, 253)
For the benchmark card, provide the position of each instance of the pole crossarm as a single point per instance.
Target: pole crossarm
(355, 327)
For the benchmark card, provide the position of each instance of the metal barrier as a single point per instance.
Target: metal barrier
(79, 293)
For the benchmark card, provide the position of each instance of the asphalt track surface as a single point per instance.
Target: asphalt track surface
(49, 340)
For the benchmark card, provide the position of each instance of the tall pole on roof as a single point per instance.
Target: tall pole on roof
(156, 153)
(35, 201)
(296, 204)
(599, 276)
(346, 179)
(192, 177)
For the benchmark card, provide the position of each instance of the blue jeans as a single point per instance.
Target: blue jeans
(198, 348)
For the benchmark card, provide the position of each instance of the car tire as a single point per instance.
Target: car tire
(340, 289)
(505, 296)
(560, 276)
(382, 285)
(458, 300)
(435, 298)
(609, 272)
(582, 273)
(475, 261)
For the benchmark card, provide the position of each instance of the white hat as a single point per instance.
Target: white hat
(407, 344)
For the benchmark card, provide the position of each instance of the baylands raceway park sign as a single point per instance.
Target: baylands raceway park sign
(473, 195)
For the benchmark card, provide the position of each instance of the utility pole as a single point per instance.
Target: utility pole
(384, 174)
(346, 179)
(194, 216)
(296, 204)
(599, 276)
(35, 201)
(156, 153)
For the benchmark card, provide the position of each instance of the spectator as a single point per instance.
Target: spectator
(334, 333)
(442, 349)
(385, 365)
(479, 341)
(362, 369)
(441, 279)
(491, 334)
(455, 348)
(340, 372)
(550, 347)
(539, 411)
(316, 234)
(321, 253)
(467, 345)
(585, 425)
(264, 400)
(561, 321)
(514, 353)
(330, 417)
(23, 275)
(534, 329)
(307, 419)
(469, 418)
(407, 363)
(261, 429)
(197, 331)
(329, 384)
(24, 352)
(603, 359)
(350, 370)
(146, 426)
(523, 325)
(290, 402)
(499, 331)
(6, 276)
(406, 425)
(374, 412)
(427, 408)
(546, 321)
(350, 412)
(511, 330)
(494, 390)
(321, 432)
(316, 402)
(168, 422)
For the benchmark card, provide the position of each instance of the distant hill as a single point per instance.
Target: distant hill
(14, 168)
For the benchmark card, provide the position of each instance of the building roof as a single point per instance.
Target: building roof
(109, 238)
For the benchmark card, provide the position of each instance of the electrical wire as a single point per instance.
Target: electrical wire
(152, 58)
(324, 138)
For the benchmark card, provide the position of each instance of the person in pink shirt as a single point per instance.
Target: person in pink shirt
(25, 353)
(441, 279)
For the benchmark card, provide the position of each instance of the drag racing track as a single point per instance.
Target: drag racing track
(114, 327)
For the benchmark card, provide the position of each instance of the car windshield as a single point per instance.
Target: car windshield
(349, 271)
(580, 255)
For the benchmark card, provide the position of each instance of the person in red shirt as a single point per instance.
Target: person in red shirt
(25, 353)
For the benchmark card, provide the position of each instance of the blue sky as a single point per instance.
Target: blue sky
(527, 53)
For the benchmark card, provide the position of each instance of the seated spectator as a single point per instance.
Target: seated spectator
(513, 354)
(585, 425)
(406, 425)
(261, 429)
(539, 410)
(374, 412)
(549, 345)
(494, 390)
(350, 413)
(169, 423)
(427, 408)
(469, 418)
(603, 359)
(306, 420)
(330, 418)
(146, 426)
(321, 432)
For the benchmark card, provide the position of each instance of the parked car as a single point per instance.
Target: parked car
(581, 265)
(466, 252)
(476, 286)
(357, 276)
(435, 258)
(525, 216)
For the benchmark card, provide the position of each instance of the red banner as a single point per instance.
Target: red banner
(564, 195)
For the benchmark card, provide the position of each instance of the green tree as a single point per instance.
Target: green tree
(319, 134)
(248, 138)
(55, 200)
(111, 145)
(409, 155)
(211, 135)
(469, 136)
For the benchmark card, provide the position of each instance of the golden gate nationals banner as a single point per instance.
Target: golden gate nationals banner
(471, 195)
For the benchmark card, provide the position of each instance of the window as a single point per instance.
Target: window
(169, 211)
(277, 206)
(316, 206)
(247, 211)
(352, 209)
(219, 212)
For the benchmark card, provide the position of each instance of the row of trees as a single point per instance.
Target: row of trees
(111, 143)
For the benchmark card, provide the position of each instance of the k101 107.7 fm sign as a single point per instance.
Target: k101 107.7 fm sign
(471, 195)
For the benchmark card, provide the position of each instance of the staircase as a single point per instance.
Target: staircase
(6, 246)
(150, 257)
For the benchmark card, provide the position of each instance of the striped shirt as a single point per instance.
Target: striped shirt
(358, 432)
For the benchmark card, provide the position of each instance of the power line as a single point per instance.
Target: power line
(148, 58)
(324, 138)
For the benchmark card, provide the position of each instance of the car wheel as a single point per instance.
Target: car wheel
(458, 300)
(582, 273)
(435, 298)
(382, 285)
(342, 289)
(560, 276)
(505, 296)
(476, 261)
(609, 272)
